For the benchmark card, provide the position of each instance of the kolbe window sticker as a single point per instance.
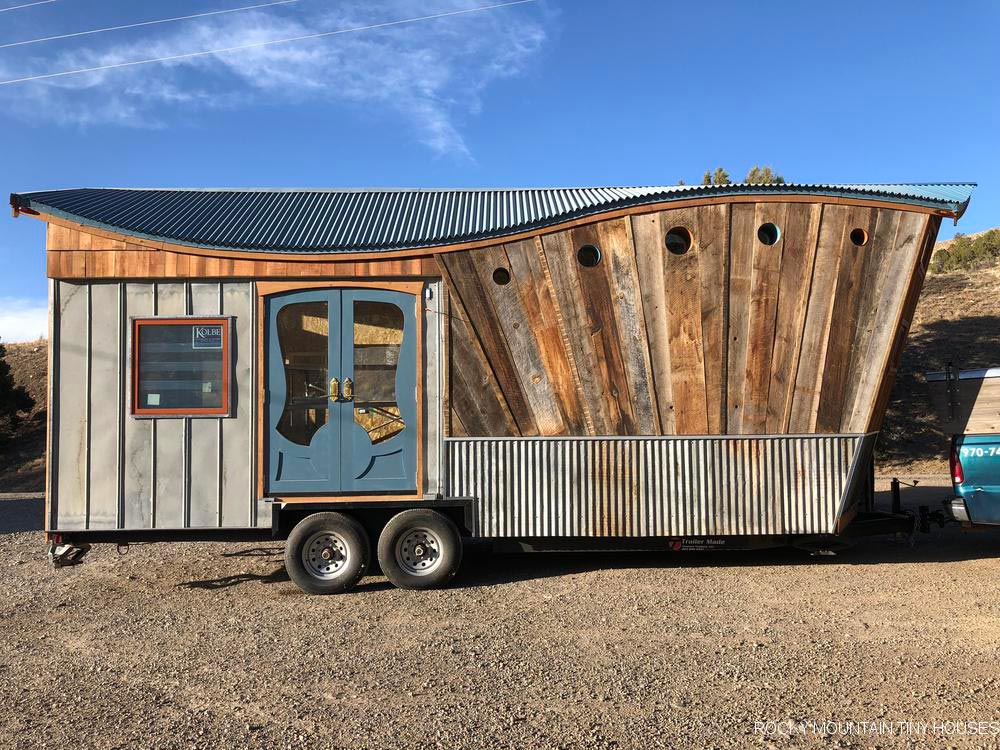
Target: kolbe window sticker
(206, 337)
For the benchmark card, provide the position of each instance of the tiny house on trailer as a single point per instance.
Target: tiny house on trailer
(679, 366)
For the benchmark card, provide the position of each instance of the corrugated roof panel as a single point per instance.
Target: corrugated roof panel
(341, 221)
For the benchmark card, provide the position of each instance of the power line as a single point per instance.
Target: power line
(26, 5)
(188, 55)
(145, 23)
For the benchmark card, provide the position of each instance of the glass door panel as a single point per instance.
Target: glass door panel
(303, 354)
(380, 359)
(378, 337)
(304, 339)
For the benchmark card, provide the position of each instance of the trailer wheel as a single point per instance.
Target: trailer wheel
(327, 553)
(419, 549)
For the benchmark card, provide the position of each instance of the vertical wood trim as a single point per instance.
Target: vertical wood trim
(904, 314)
(875, 323)
(797, 266)
(618, 246)
(819, 314)
(647, 235)
(742, 237)
(682, 286)
(713, 234)
(564, 336)
(765, 289)
(844, 323)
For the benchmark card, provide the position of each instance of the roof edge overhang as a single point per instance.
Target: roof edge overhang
(23, 203)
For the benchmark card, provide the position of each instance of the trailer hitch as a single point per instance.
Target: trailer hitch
(940, 517)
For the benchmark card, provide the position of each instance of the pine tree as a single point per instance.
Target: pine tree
(14, 400)
(719, 177)
(763, 176)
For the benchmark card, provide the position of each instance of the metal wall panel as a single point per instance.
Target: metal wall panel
(104, 411)
(204, 476)
(170, 436)
(73, 435)
(138, 445)
(669, 486)
(433, 369)
(114, 471)
(239, 454)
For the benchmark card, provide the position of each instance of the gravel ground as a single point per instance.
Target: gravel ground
(210, 646)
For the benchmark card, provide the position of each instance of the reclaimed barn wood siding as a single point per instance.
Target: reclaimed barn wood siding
(732, 337)
(114, 471)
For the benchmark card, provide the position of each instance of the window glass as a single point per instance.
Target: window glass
(181, 366)
(378, 336)
(303, 335)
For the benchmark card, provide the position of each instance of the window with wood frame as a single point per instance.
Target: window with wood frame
(181, 367)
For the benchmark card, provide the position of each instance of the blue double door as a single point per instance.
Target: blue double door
(341, 392)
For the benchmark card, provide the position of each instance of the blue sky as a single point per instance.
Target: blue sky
(549, 93)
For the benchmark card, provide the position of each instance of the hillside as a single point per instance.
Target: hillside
(22, 462)
(957, 320)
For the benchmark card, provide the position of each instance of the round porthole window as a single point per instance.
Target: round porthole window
(768, 233)
(859, 237)
(501, 277)
(678, 240)
(589, 256)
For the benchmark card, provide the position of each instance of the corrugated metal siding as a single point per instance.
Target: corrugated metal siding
(642, 487)
(372, 220)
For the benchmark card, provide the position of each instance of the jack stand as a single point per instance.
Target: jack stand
(63, 555)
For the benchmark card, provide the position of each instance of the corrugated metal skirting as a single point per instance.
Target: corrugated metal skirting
(656, 486)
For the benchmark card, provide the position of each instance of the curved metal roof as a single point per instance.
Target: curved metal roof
(373, 220)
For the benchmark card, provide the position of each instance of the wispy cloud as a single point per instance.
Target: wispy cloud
(432, 73)
(23, 319)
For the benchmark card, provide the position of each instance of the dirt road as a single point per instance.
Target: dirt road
(210, 646)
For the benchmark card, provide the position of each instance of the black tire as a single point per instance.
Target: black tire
(327, 533)
(410, 568)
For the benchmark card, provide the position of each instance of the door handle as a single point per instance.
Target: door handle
(348, 389)
(335, 389)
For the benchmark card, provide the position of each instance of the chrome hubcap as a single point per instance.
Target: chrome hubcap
(325, 555)
(418, 552)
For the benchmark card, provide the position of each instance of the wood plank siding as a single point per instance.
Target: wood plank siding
(733, 336)
(78, 254)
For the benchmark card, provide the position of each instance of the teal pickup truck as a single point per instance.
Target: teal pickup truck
(967, 406)
(975, 475)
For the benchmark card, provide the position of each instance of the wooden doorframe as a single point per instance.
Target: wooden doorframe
(265, 289)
